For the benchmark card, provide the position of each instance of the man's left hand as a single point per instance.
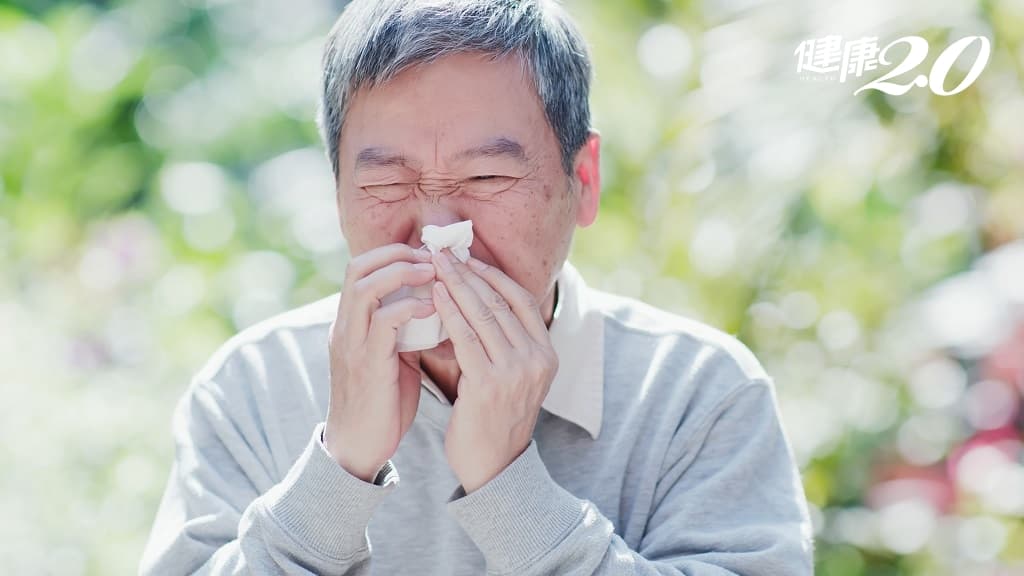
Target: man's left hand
(507, 362)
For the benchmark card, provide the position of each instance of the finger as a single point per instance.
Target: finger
(409, 386)
(522, 302)
(510, 324)
(365, 294)
(382, 338)
(365, 263)
(469, 350)
(475, 311)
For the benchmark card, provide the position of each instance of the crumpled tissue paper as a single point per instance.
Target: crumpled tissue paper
(427, 333)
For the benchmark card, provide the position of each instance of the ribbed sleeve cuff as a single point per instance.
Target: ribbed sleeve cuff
(519, 515)
(324, 507)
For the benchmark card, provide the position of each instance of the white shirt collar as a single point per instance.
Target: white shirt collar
(577, 334)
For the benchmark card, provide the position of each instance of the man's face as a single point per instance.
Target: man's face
(463, 138)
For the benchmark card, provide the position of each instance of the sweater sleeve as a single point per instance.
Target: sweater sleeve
(213, 518)
(729, 501)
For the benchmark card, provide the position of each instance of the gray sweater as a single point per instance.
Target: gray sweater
(657, 451)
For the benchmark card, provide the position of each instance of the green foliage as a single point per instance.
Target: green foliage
(162, 186)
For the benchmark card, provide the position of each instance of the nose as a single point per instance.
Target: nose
(436, 210)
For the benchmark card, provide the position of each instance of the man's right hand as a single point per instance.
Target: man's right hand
(375, 390)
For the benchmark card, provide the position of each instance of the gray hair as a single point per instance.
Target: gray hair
(373, 40)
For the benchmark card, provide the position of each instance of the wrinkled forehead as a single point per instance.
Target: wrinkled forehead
(457, 106)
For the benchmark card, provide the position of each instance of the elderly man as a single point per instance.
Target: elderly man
(559, 429)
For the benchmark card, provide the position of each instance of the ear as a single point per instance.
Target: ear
(587, 168)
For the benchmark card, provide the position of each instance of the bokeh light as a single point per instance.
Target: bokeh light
(162, 186)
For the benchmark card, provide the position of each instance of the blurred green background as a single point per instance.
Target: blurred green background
(162, 186)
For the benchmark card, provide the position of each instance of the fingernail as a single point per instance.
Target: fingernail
(422, 253)
(477, 265)
(442, 292)
(424, 267)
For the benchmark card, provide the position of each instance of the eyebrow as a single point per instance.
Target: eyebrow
(377, 157)
(501, 146)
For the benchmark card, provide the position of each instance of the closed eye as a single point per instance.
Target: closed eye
(488, 184)
(388, 192)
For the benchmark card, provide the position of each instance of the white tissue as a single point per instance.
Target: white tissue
(427, 333)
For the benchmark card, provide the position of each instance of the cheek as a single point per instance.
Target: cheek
(525, 238)
(508, 228)
(551, 219)
(370, 226)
